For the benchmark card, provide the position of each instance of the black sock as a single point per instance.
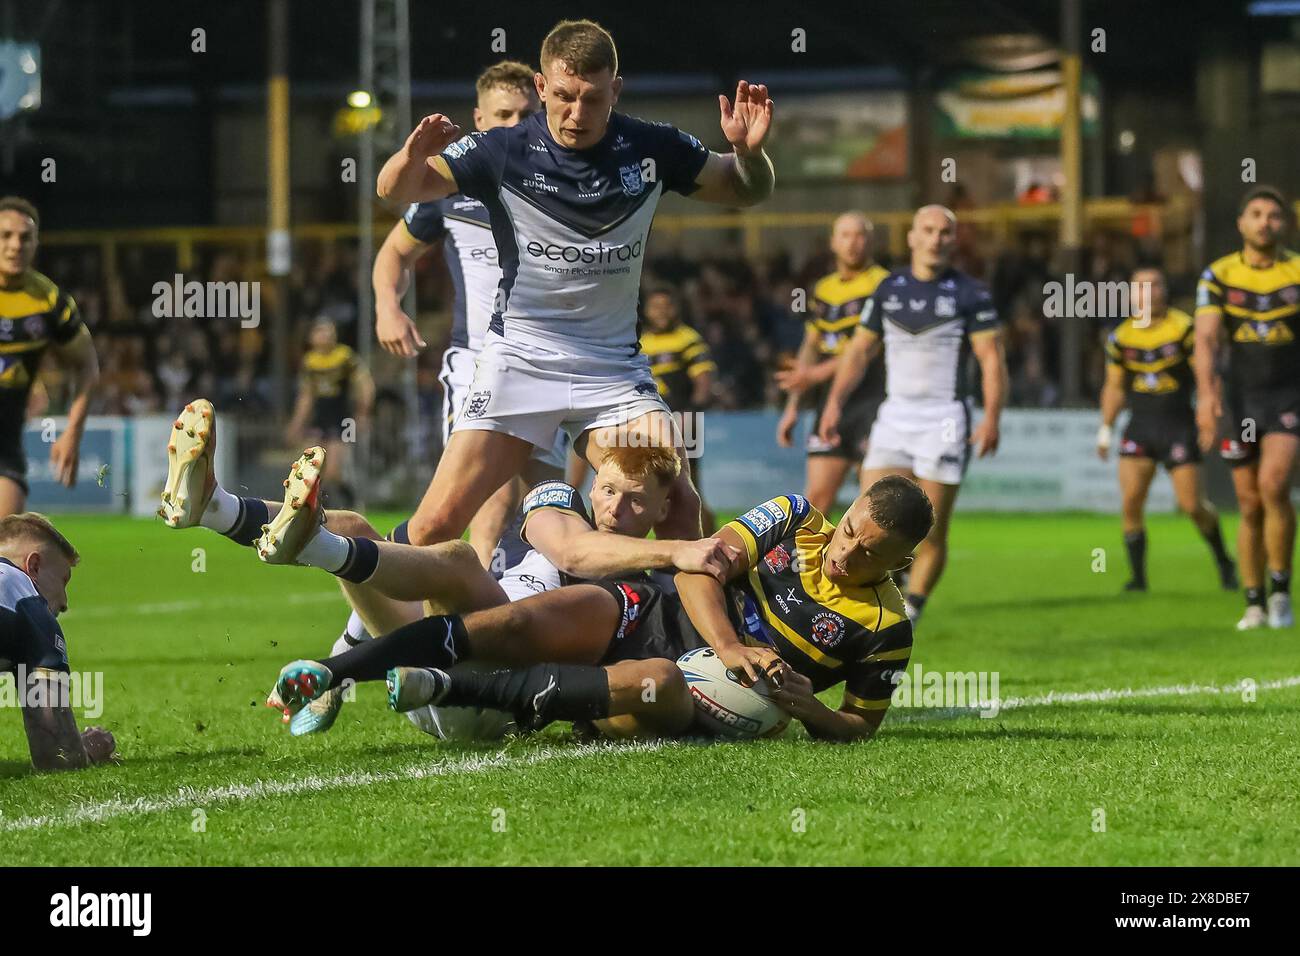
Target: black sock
(401, 534)
(253, 514)
(536, 695)
(1214, 538)
(439, 641)
(1279, 582)
(917, 600)
(1136, 543)
(363, 558)
(1254, 596)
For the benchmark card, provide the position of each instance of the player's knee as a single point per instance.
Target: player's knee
(664, 686)
(433, 526)
(1274, 487)
(352, 525)
(1251, 508)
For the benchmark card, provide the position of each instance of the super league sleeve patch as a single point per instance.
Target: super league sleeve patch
(554, 494)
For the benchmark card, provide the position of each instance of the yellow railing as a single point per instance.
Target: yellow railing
(1002, 221)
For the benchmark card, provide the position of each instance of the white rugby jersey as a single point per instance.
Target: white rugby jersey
(571, 226)
(471, 255)
(925, 329)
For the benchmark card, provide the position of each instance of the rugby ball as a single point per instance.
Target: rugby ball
(725, 706)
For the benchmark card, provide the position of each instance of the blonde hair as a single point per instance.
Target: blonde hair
(32, 526)
(506, 75)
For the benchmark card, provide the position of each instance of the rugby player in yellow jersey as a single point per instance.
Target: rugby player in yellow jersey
(36, 315)
(807, 605)
(1149, 368)
(837, 303)
(1252, 298)
(333, 387)
(683, 370)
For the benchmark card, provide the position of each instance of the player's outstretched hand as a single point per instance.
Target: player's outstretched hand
(785, 428)
(433, 134)
(750, 663)
(747, 124)
(795, 695)
(64, 458)
(709, 556)
(828, 428)
(99, 743)
(398, 334)
(985, 438)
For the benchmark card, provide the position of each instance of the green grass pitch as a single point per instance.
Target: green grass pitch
(1182, 775)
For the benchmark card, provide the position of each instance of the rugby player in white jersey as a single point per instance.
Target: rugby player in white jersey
(506, 97)
(929, 317)
(570, 195)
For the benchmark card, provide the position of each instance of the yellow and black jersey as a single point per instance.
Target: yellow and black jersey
(328, 375)
(837, 305)
(33, 316)
(1156, 355)
(826, 631)
(1261, 310)
(677, 357)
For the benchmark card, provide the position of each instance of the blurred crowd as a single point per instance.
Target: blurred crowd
(742, 307)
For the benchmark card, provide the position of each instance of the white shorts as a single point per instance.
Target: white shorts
(456, 377)
(930, 440)
(529, 391)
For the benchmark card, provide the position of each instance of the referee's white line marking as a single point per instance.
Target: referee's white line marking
(188, 798)
(1106, 695)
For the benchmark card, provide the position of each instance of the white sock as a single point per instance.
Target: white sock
(356, 629)
(222, 511)
(326, 550)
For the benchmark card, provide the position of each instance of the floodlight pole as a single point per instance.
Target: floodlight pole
(1071, 236)
(386, 76)
(278, 244)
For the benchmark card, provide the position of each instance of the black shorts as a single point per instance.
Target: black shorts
(1273, 411)
(652, 623)
(1169, 439)
(855, 428)
(13, 462)
(327, 416)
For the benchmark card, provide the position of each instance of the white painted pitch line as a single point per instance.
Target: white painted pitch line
(1106, 695)
(197, 604)
(188, 798)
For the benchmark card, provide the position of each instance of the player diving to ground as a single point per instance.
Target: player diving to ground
(552, 542)
(570, 194)
(36, 315)
(1149, 368)
(837, 303)
(928, 317)
(807, 605)
(36, 563)
(506, 97)
(1254, 296)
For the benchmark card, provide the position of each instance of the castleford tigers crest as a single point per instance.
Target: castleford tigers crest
(630, 177)
(827, 629)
